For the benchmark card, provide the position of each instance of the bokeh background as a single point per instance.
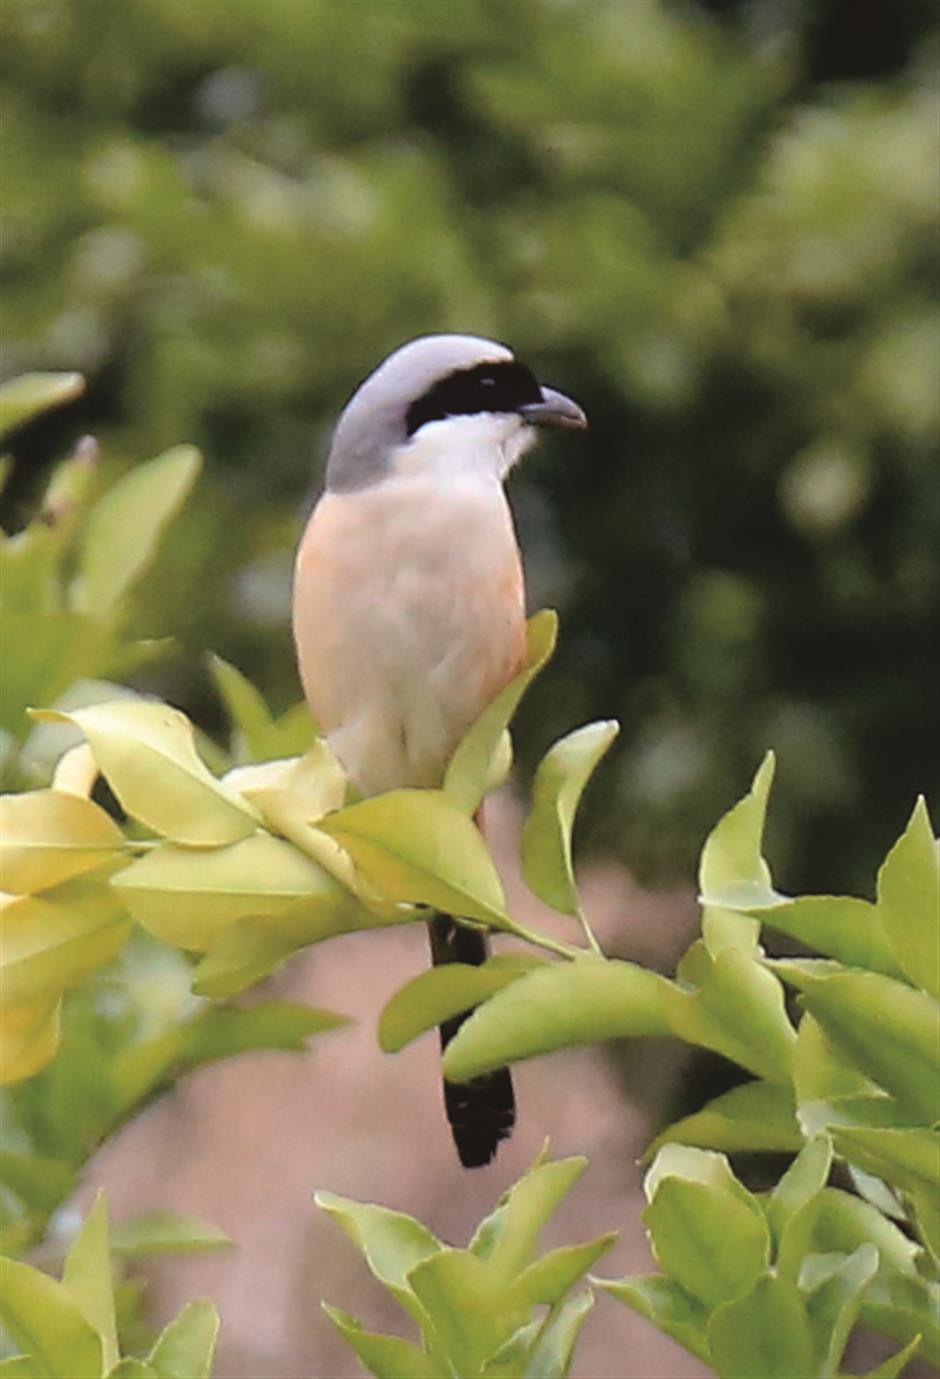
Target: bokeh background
(712, 222)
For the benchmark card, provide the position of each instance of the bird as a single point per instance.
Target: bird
(408, 605)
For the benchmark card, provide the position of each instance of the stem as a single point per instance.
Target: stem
(589, 933)
(540, 940)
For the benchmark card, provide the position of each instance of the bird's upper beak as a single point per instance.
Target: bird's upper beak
(554, 410)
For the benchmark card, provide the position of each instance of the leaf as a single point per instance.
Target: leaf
(548, 1279)
(43, 1317)
(839, 926)
(833, 1307)
(52, 942)
(732, 871)
(706, 1230)
(737, 1010)
(76, 772)
(469, 1309)
(23, 397)
(905, 1308)
(148, 754)
(667, 1305)
(551, 1355)
(558, 1005)
(220, 1032)
(257, 735)
(43, 656)
(122, 530)
(47, 837)
(387, 1357)
(392, 1242)
(129, 1368)
(908, 1157)
(471, 767)
(755, 1116)
(765, 1333)
(187, 897)
(440, 992)
(29, 1037)
(556, 791)
(184, 1349)
(42, 1182)
(819, 1074)
(165, 1232)
(18, 1367)
(909, 901)
(890, 1033)
(88, 1278)
(801, 1184)
(514, 1229)
(418, 846)
(845, 1221)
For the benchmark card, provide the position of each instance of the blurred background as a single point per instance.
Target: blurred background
(713, 222)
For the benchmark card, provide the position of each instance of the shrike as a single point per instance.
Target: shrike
(409, 602)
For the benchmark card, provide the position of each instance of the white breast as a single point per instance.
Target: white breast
(408, 618)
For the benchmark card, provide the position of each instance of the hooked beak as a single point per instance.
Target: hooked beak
(554, 410)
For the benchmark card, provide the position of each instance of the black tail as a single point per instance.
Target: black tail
(481, 1112)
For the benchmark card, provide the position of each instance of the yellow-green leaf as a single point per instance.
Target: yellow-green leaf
(420, 846)
(53, 942)
(31, 393)
(43, 1318)
(909, 901)
(122, 530)
(187, 897)
(472, 766)
(148, 753)
(441, 992)
(546, 840)
(29, 1037)
(47, 836)
(87, 1276)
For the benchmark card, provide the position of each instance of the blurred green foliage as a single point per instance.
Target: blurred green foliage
(713, 225)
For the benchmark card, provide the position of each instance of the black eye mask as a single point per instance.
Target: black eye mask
(502, 386)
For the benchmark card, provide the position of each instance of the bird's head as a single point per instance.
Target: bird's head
(447, 405)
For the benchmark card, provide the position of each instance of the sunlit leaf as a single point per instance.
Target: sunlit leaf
(909, 901)
(556, 791)
(515, 1227)
(122, 530)
(184, 1349)
(757, 1115)
(387, 1357)
(47, 836)
(23, 397)
(418, 846)
(45, 1320)
(549, 1278)
(147, 752)
(52, 942)
(88, 1278)
(764, 1333)
(165, 1232)
(187, 896)
(890, 1032)
(803, 1180)
(839, 926)
(662, 1301)
(732, 871)
(471, 767)
(440, 992)
(29, 1037)
(468, 1305)
(392, 1242)
(558, 1005)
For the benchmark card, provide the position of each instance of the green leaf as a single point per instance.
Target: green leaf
(393, 1243)
(551, 1355)
(470, 1311)
(122, 530)
(755, 1116)
(19, 1367)
(890, 1033)
(737, 1010)
(166, 1232)
(23, 397)
(148, 754)
(246, 707)
(88, 1278)
(819, 1074)
(802, 1182)
(387, 1357)
(43, 1317)
(556, 791)
(52, 942)
(220, 1032)
(184, 1349)
(548, 1279)
(833, 1307)
(440, 992)
(42, 1182)
(904, 1308)
(909, 901)
(732, 871)
(667, 1305)
(707, 1231)
(29, 1037)
(513, 1230)
(558, 1005)
(471, 767)
(129, 1368)
(908, 1157)
(845, 1222)
(188, 897)
(42, 657)
(419, 846)
(839, 926)
(762, 1335)
(47, 836)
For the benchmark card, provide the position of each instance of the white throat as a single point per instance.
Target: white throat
(464, 448)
